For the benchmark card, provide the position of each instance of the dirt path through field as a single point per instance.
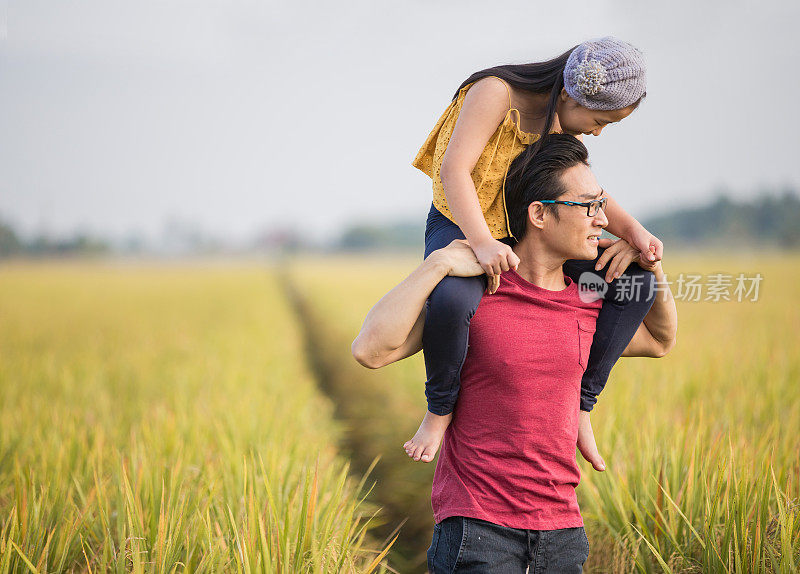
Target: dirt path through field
(363, 398)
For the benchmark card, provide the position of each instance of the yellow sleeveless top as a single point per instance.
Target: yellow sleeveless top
(489, 174)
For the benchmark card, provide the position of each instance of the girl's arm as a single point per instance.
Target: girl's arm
(484, 108)
(625, 226)
(620, 222)
(392, 329)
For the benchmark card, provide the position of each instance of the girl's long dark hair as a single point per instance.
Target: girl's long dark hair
(539, 77)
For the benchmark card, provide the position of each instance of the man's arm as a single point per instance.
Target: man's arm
(392, 329)
(657, 334)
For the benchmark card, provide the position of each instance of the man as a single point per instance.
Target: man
(504, 487)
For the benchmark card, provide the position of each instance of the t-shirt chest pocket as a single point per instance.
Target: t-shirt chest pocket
(586, 331)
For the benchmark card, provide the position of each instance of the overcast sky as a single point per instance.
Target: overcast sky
(115, 116)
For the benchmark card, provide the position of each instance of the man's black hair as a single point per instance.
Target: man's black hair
(538, 177)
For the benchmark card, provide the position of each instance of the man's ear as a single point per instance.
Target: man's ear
(563, 96)
(536, 214)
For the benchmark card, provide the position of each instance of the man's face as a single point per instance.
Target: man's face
(574, 234)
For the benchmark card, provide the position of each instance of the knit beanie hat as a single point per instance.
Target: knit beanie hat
(605, 74)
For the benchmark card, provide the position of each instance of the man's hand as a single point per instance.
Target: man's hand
(461, 261)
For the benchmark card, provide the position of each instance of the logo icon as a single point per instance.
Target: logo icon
(591, 287)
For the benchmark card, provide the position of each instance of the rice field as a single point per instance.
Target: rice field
(163, 418)
(209, 418)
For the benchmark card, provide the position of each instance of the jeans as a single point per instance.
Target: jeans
(454, 301)
(469, 545)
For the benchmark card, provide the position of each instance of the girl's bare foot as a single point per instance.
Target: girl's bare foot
(428, 438)
(587, 444)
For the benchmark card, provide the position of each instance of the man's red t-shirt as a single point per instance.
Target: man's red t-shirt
(508, 456)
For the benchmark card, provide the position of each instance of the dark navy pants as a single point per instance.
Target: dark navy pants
(469, 545)
(454, 301)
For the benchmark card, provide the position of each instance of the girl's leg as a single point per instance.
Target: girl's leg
(450, 308)
(444, 340)
(626, 302)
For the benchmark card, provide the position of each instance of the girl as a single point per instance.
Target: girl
(495, 114)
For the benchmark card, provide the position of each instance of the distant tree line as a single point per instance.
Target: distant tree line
(399, 236)
(79, 244)
(766, 220)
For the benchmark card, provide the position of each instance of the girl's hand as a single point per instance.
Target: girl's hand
(462, 262)
(495, 257)
(621, 254)
(649, 246)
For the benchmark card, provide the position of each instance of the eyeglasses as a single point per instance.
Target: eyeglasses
(592, 207)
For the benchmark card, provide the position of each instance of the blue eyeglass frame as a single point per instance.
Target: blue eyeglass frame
(587, 204)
